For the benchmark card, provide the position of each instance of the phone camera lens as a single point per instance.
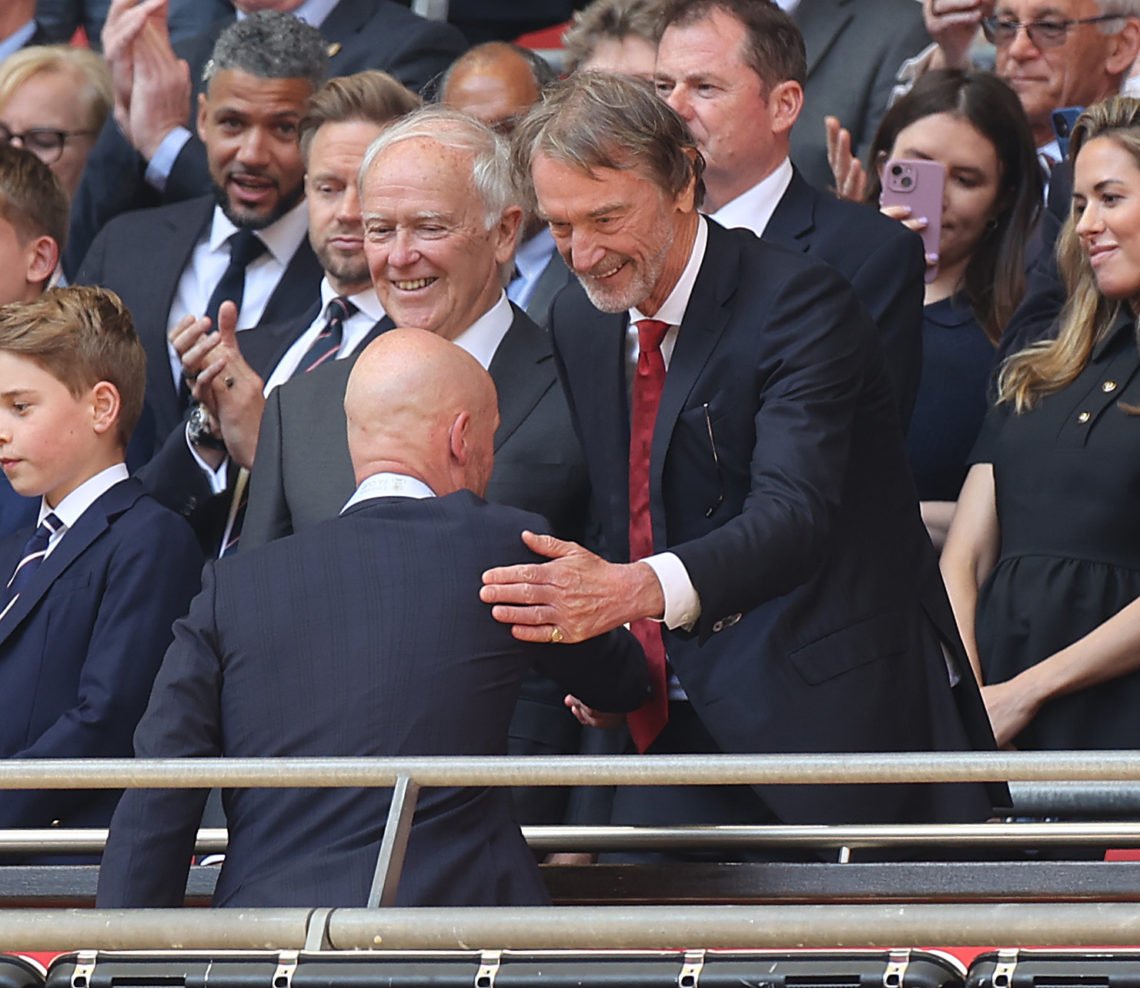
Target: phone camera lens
(896, 170)
(907, 182)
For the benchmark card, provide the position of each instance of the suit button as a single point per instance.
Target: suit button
(726, 622)
(1108, 387)
(1083, 417)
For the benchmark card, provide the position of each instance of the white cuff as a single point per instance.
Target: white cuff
(159, 167)
(216, 478)
(682, 603)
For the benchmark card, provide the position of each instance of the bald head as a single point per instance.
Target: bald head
(494, 83)
(419, 405)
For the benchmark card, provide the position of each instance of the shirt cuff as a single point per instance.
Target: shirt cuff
(910, 72)
(159, 167)
(682, 603)
(217, 479)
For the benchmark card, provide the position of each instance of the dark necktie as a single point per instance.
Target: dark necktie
(327, 345)
(245, 247)
(34, 551)
(647, 721)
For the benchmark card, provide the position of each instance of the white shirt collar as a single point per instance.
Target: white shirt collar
(282, 237)
(17, 39)
(311, 11)
(86, 494)
(388, 485)
(788, 6)
(366, 301)
(482, 338)
(673, 309)
(753, 208)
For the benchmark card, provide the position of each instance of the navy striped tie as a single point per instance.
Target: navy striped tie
(328, 343)
(34, 551)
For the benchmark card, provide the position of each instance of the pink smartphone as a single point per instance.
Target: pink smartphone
(917, 184)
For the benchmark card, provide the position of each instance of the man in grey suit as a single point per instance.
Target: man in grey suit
(441, 221)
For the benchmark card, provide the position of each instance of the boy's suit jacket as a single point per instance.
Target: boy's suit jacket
(80, 648)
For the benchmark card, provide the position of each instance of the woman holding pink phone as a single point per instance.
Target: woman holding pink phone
(1042, 562)
(970, 127)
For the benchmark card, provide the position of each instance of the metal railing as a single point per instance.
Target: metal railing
(379, 927)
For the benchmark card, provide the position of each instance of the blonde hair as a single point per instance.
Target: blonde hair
(95, 94)
(81, 335)
(1050, 365)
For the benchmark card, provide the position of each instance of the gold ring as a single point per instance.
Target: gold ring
(556, 635)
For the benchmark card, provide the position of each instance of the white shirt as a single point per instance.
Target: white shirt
(753, 208)
(368, 313)
(72, 507)
(388, 485)
(531, 260)
(211, 257)
(159, 167)
(788, 6)
(482, 338)
(682, 603)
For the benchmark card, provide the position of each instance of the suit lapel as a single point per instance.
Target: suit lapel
(523, 371)
(793, 221)
(821, 22)
(92, 523)
(298, 287)
(706, 317)
(343, 22)
(553, 279)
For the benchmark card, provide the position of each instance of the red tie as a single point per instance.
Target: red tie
(647, 721)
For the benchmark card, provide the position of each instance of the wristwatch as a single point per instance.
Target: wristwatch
(200, 432)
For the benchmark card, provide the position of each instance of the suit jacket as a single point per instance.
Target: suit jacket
(362, 34)
(555, 276)
(80, 648)
(855, 49)
(364, 636)
(821, 612)
(302, 473)
(173, 476)
(883, 261)
(142, 255)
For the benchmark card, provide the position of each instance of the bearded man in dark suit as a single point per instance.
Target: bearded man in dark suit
(747, 466)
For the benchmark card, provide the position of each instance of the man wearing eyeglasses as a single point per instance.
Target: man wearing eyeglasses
(1053, 53)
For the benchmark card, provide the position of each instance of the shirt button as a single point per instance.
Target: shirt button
(1083, 417)
(1108, 387)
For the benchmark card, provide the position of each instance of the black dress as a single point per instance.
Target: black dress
(957, 366)
(1067, 480)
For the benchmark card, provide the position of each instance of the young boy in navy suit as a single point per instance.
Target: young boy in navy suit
(88, 598)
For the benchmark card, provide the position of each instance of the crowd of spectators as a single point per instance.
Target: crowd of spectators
(348, 295)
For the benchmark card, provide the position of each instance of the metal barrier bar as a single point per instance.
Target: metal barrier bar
(818, 769)
(1086, 799)
(578, 927)
(613, 838)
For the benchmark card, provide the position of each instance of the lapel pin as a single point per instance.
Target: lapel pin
(334, 49)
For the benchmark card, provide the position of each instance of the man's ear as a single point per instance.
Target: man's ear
(42, 257)
(784, 104)
(457, 437)
(505, 233)
(203, 114)
(105, 405)
(1123, 48)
